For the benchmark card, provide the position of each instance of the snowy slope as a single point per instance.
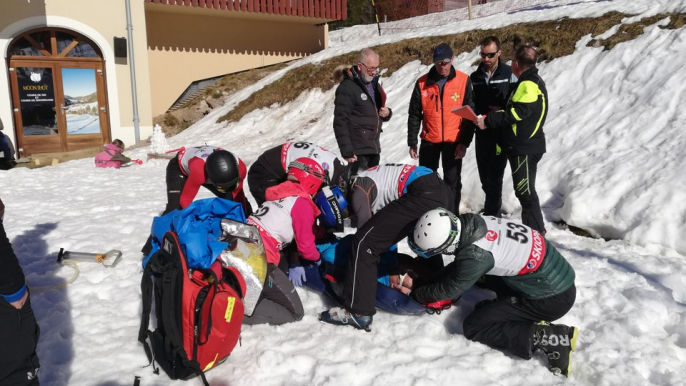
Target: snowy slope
(614, 164)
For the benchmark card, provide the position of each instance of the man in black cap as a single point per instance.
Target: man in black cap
(444, 134)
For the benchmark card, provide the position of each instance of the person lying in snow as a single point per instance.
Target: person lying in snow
(113, 157)
(287, 216)
(387, 201)
(533, 282)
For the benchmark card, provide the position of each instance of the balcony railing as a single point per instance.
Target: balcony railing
(321, 9)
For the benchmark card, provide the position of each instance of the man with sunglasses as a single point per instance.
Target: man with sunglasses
(521, 126)
(360, 109)
(444, 134)
(491, 82)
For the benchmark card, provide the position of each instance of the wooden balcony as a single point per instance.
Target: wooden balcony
(320, 9)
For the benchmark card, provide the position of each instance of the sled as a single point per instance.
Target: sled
(108, 259)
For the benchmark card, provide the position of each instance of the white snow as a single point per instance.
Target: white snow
(614, 166)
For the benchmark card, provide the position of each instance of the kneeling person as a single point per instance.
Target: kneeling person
(533, 282)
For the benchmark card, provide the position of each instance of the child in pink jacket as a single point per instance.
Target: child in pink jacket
(112, 156)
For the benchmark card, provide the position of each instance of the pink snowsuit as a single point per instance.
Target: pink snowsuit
(111, 157)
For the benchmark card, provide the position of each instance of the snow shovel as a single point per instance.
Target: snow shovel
(108, 259)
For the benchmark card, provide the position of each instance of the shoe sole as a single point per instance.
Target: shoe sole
(572, 345)
(367, 328)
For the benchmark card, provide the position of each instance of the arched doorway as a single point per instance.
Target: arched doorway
(58, 91)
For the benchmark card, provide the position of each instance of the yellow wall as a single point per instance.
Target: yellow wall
(100, 21)
(204, 43)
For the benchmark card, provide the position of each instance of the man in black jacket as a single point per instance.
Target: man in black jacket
(491, 82)
(18, 328)
(360, 109)
(521, 124)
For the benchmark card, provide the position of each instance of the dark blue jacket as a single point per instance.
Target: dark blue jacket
(492, 93)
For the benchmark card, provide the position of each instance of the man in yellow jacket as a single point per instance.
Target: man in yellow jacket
(521, 124)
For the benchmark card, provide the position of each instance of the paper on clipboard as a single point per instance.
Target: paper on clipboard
(466, 112)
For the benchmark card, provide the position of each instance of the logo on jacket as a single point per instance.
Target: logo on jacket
(363, 96)
(491, 235)
(455, 97)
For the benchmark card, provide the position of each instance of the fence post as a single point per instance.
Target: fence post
(469, 5)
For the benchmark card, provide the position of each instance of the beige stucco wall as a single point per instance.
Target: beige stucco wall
(100, 21)
(187, 44)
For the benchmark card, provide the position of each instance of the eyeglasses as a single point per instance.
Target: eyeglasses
(489, 55)
(442, 63)
(370, 70)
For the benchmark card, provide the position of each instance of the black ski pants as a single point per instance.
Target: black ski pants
(429, 155)
(491, 164)
(509, 322)
(264, 173)
(18, 340)
(524, 180)
(366, 161)
(279, 302)
(387, 227)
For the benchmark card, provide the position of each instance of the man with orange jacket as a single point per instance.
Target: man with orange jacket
(444, 134)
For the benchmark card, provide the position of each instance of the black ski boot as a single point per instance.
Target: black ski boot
(557, 341)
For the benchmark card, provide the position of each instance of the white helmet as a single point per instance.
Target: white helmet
(437, 231)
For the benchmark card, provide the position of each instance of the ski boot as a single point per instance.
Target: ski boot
(557, 341)
(341, 317)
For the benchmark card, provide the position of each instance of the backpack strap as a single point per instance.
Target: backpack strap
(144, 333)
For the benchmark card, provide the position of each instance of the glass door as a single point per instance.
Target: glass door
(34, 90)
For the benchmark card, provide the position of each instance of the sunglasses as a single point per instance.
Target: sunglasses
(489, 55)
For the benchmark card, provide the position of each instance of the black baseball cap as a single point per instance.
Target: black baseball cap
(443, 53)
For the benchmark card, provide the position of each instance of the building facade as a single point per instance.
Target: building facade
(68, 83)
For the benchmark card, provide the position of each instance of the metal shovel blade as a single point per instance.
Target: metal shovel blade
(108, 259)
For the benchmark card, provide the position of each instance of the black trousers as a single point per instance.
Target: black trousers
(366, 161)
(260, 178)
(508, 323)
(491, 164)
(387, 227)
(266, 172)
(279, 302)
(429, 155)
(18, 340)
(524, 180)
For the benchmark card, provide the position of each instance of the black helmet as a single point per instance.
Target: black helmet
(221, 168)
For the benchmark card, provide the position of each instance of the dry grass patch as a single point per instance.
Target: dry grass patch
(630, 31)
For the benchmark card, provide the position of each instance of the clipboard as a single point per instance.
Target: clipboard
(466, 112)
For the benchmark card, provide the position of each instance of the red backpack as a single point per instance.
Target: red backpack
(199, 312)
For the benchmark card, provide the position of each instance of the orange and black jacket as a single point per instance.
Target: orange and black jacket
(356, 121)
(524, 115)
(432, 109)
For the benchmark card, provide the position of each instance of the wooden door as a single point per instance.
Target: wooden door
(58, 92)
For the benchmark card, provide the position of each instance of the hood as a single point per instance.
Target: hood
(290, 189)
(473, 228)
(112, 147)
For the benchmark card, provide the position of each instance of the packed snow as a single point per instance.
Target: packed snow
(614, 167)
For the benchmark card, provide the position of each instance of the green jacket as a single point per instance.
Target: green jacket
(553, 277)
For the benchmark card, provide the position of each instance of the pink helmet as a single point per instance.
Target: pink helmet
(308, 173)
